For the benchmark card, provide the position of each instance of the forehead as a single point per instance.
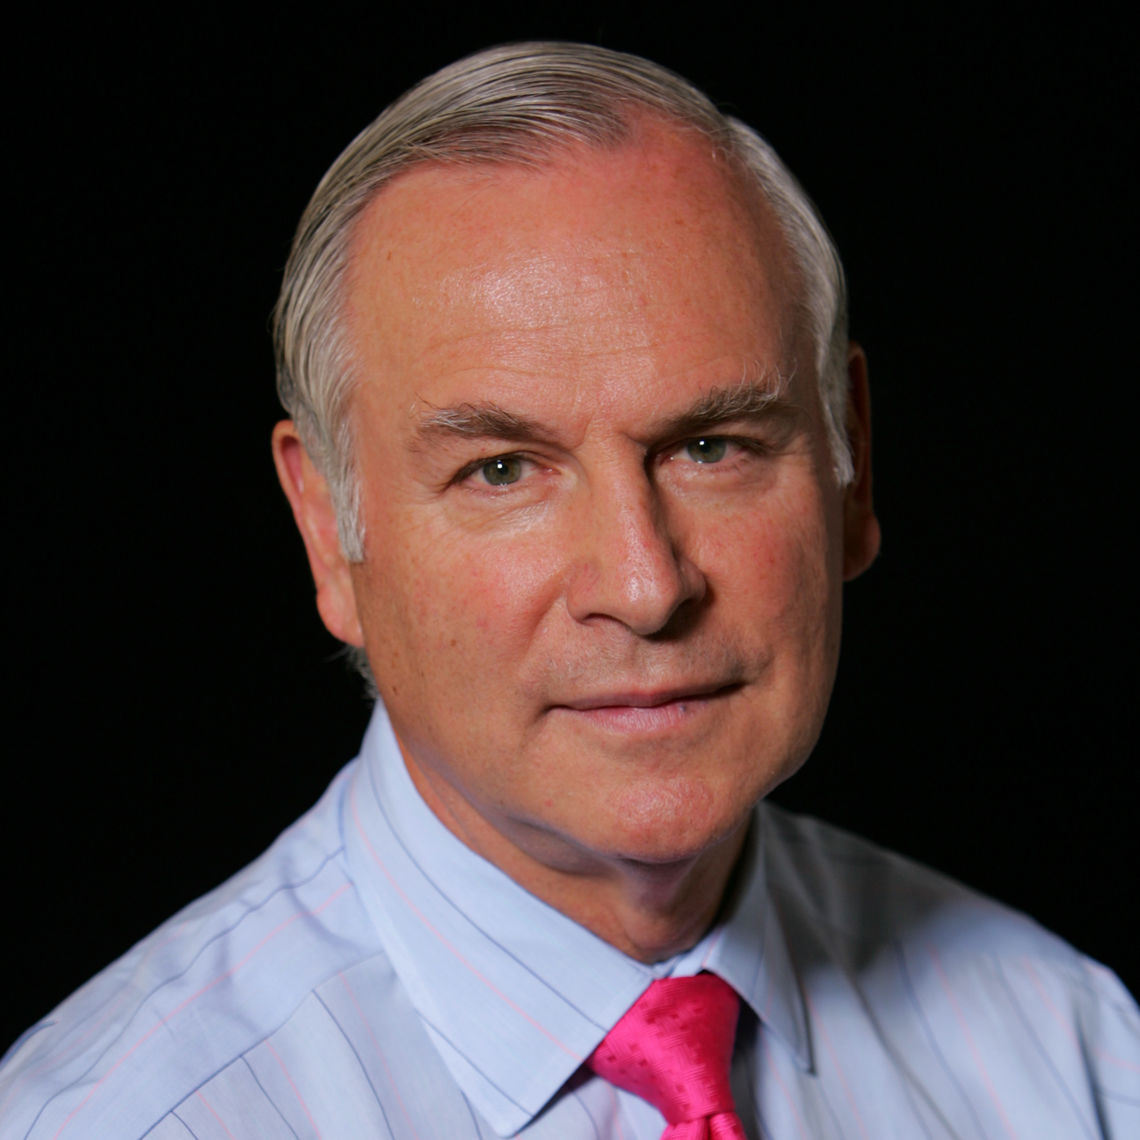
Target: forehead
(654, 255)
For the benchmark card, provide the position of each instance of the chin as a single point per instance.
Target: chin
(675, 823)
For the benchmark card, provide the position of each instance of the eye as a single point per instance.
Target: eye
(502, 470)
(709, 449)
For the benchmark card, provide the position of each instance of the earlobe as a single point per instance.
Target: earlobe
(861, 534)
(308, 494)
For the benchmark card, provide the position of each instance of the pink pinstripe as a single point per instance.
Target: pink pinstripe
(379, 1053)
(194, 997)
(1067, 1029)
(293, 1086)
(617, 1113)
(981, 1065)
(214, 1114)
(454, 950)
(801, 1127)
(95, 1024)
(838, 1067)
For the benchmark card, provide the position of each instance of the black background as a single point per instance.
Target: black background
(176, 701)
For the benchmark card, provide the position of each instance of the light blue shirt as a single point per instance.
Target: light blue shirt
(370, 977)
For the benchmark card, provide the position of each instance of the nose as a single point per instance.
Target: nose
(630, 567)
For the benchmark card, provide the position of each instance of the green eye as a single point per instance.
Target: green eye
(707, 450)
(502, 471)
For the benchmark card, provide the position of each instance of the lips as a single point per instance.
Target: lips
(649, 699)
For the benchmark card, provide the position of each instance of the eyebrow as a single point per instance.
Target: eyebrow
(746, 400)
(478, 421)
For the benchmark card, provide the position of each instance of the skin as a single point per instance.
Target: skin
(604, 546)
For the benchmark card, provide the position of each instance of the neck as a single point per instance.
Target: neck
(648, 911)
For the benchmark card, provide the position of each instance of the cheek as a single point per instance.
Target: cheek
(778, 561)
(460, 599)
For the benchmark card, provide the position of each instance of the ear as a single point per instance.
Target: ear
(308, 494)
(861, 534)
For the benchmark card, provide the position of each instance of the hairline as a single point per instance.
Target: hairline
(616, 123)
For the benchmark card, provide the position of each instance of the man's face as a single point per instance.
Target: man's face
(601, 587)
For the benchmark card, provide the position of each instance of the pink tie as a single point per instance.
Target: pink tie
(673, 1048)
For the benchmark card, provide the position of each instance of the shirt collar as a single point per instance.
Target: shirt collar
(748, 948)
(514, 994)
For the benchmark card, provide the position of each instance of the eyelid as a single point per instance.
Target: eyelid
(748, 443)
(751, 442)
(476, 465)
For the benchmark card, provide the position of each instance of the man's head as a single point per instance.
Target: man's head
(517, 104)
(603, 531)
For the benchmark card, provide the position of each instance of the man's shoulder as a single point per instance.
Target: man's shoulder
(993, 1007)
(853, 902)
(870, 899)
(199, 991)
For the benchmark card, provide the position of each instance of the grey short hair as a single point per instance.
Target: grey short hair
(519, 104)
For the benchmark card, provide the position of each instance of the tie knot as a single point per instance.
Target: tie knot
(673, 1047)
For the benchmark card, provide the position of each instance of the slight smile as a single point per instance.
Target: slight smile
(640, 711)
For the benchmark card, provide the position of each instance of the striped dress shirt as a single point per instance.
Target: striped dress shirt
(369, 976)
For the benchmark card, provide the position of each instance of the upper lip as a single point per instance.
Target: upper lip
(645, 698)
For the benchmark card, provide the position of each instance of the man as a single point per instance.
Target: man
(579, 453)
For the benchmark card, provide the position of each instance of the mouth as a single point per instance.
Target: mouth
(648, 698)
(648, 710)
